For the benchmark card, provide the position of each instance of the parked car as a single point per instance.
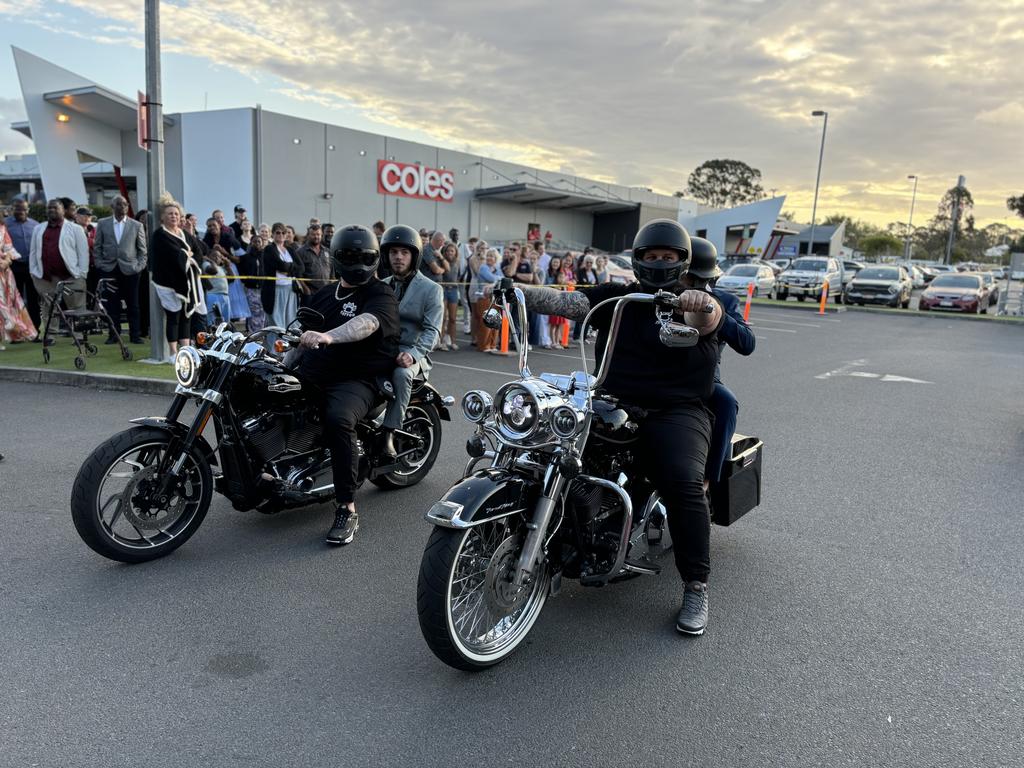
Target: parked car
(740, 276)
(916, 275)
(991, 286)
(880, 285)
(775, 267)
(955, 292)
(806, 277)
(781, 262)
(850, 268)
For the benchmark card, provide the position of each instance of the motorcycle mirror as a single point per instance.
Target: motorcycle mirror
(678, 335)
(310, 319)
(492, 319)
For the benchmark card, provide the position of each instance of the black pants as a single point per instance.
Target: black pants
(28, 292)
(674, 449)
(177, 326)
(346, 404)
(124, 287)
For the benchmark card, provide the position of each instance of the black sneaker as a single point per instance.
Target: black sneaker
(346, 524)
(693, 618)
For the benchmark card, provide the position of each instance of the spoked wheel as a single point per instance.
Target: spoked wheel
(418, 452)
(118, 507)
(471, 614)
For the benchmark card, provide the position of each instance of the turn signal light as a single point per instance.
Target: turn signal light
(201, 338)
(280, 346)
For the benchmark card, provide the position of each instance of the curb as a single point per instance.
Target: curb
(100, 381)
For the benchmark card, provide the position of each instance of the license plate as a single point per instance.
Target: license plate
(945, 303)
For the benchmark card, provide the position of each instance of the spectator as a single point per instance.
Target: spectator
(15, 323)
(83, 218)
(328, 230)
(176, 273)
(58, 252)
(19, 227)
(191, 224)
(121, 254)
(433, 264)
(473, 263)
(218, 302)
(245, 235)
(236, 225)
(485, 278)
(264, 231)
(214, 236)
(543, 256)
(467, 249)
(586, 274)
(143, 218)
(290, 240)
(227, 235)
(280, 299)
(450, 279)
(70, 209)
(252, 266)
(556, 278)
(315, 261)
(378, 229)
(601, 268)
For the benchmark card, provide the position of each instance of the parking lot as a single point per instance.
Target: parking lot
(869, 612)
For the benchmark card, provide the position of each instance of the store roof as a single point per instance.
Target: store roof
(554, 197)
(101, 104)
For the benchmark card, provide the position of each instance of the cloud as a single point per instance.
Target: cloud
(643, 92)
(11, 142)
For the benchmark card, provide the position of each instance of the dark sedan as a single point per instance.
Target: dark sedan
(955, 292)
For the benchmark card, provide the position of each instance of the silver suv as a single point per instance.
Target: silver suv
(806, 276)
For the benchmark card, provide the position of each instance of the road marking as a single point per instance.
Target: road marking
(847, 370)
(786, 322)
(843, 370)
(507, 374)
(777, 330)
(864, 375)
(892, 377)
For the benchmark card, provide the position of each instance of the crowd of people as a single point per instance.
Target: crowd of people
(207, 271)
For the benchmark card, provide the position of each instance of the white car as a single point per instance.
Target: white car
(738, 279)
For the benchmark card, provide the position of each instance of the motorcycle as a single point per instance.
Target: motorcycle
(561, 497)
(142, 493)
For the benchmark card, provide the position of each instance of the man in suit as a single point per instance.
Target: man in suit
(59, 252)
(420, 311)
(120, 251)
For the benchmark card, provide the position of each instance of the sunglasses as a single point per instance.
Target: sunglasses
(280, 232)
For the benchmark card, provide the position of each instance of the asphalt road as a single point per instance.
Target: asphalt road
(870, 612)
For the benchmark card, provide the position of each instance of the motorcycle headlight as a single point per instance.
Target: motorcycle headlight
(476, 405)
(565, 421)
(518, 411)
(187, 366)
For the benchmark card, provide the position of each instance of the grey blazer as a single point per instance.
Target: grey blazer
(421, 312)
(129, 254)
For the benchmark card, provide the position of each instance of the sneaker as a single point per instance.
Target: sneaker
(453, 347)
(346, 523)
(693, 617)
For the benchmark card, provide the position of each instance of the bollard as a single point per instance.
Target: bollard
(565, 327)
(824, 298)
(504, 334)
(750, 296)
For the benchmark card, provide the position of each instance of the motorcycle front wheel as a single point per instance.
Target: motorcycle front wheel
(115, 505)
(471, 615)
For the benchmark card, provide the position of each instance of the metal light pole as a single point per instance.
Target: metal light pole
(154, 166)
(909, 249)
(817, 181)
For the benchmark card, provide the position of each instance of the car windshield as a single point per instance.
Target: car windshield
(743, 270)
(810, 265)
(956, 281)
(878, 273)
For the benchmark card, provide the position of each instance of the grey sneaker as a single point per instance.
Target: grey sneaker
(693, 617)
(345, 526)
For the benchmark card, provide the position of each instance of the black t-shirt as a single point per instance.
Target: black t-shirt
(363, 360)
(644, 372)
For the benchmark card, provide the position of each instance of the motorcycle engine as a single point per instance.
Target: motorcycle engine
(272, 434)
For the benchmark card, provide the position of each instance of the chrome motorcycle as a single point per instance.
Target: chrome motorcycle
(143, 492)
(562, 496)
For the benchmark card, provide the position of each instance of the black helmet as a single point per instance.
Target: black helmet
(660, 233)
(407, 237)
(355, 254)
(704, 260)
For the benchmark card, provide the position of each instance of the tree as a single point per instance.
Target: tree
(725, 183)
(880, 243)
(1016, 204)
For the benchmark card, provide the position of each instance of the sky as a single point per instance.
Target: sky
(638, 92)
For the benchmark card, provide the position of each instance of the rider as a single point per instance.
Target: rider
(669, 386)
(346, 361)
(420, 309)
(703, 274)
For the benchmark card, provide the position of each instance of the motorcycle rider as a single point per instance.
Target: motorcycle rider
(420, 310)
(668, 388)
(346, 361)
(703, 274)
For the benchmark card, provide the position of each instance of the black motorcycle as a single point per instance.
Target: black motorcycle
(562, 497)
(145, 491)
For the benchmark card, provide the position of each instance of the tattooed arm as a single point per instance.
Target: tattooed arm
(356, 329)
(547, 301)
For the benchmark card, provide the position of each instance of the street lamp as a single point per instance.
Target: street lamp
(909, 248)
(817, 181)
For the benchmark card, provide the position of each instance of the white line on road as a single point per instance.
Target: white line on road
(507, 374)
(777, 330)
(784, 322)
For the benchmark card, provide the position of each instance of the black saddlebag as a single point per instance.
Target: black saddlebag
(739, 489)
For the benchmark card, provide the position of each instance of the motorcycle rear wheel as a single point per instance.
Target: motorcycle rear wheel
(423, 421)
(470, 615)
(112, 482)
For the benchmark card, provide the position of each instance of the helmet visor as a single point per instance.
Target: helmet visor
(356, 257)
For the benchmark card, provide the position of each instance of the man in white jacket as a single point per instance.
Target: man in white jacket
(59, 252)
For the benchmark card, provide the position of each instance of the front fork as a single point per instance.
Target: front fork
(554, 483)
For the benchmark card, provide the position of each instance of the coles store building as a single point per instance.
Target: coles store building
(284, 168)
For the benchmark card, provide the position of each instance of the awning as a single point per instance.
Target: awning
(552, 197)
(22, 127)
(100, 104)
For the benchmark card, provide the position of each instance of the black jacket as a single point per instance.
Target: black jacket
(272, 264)
(251, 263)
(168, 259)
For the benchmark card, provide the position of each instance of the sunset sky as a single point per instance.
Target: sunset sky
(635, 92)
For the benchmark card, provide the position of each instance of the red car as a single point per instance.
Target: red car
(956, 293)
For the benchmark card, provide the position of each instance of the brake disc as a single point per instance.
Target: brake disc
(502, 596)
(161, 514)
